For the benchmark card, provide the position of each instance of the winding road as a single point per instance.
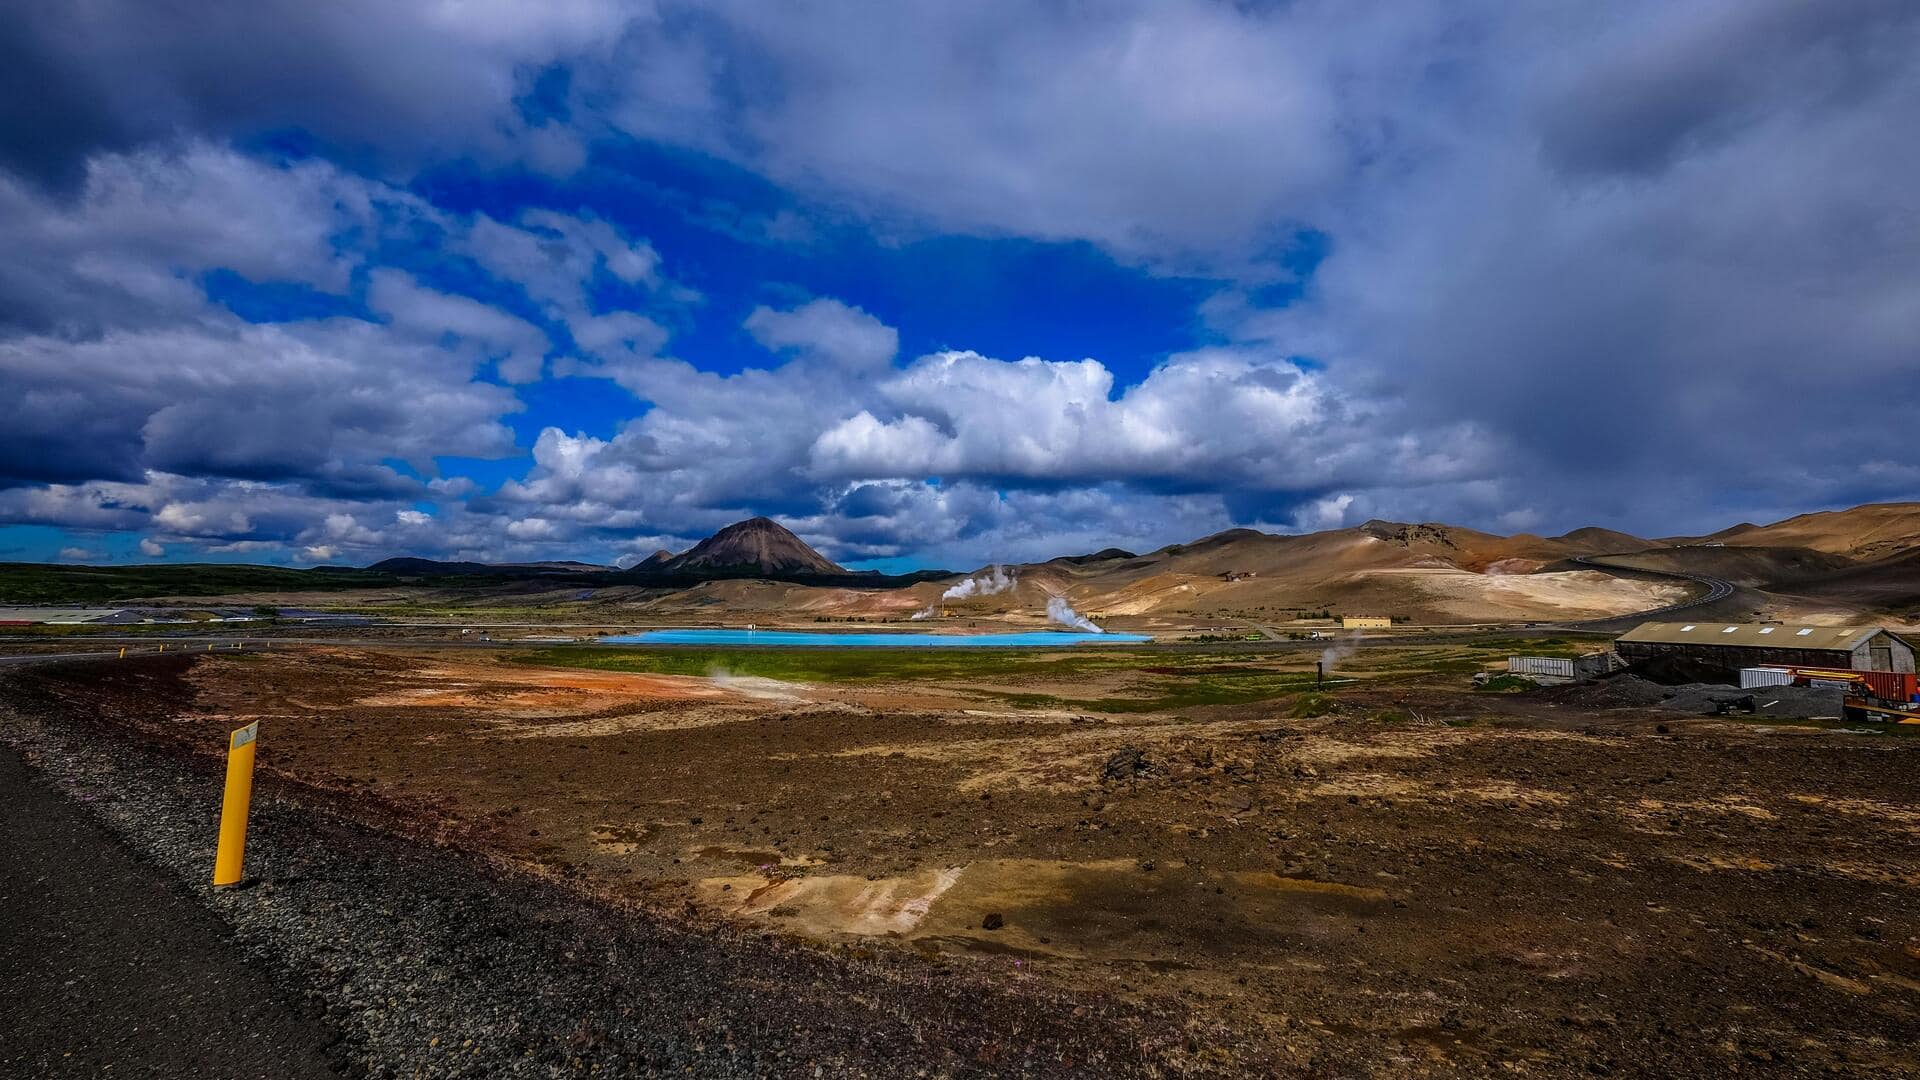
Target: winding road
(1717, 589)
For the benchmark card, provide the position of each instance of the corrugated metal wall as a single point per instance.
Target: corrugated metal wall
(1753, 677)
(1540, 665)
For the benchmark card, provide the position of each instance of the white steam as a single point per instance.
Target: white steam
(991, 583)
(1062, 612)
(1343, 647)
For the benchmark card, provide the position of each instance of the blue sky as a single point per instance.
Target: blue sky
(938, 286)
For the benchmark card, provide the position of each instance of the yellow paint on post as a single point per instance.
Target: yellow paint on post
(123, 652)
(233, 808)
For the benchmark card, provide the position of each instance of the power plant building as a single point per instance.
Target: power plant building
(1743, 645)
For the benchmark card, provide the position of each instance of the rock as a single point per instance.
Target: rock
(1125, 764)
(993, 921)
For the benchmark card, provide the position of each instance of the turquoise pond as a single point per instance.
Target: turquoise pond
(1040, 639)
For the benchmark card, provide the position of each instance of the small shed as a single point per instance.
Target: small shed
(1742, 645)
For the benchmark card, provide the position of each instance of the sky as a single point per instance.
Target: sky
(943, 284)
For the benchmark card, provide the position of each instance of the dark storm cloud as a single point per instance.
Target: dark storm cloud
(1646, 101)
(409, 82)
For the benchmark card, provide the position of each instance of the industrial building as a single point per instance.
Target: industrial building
(1365, 622)
(1733, 646)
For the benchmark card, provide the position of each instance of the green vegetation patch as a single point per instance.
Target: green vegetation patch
(1508, 684)
(38, 583)
(1311, 704)
(814, 664)
(1166, 682)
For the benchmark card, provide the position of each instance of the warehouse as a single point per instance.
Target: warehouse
(1732, 646)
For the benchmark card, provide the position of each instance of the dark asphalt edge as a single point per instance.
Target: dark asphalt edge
(286, 988)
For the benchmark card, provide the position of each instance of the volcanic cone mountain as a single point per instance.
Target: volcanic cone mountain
(758, 545)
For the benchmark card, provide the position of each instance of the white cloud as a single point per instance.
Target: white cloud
(1207, 419)
(518, 346)
(829, 331)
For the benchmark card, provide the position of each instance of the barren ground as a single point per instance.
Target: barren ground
(1398, 877)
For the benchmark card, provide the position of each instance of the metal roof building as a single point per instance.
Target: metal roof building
(1736, 645)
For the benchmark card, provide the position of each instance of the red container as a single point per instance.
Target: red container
(1885, 685)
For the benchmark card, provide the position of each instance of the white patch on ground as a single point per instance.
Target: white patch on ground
(1572, 592)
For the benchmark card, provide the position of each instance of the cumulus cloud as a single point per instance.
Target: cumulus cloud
(125, 248)
(1203, 420)
(829, 330)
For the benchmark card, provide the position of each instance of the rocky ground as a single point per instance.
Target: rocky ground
(1394, 878)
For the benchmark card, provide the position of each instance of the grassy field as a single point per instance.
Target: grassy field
(1164, 681)
(847, 665)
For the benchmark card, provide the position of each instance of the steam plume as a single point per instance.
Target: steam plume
(1062, 612)
(991, 583)
(1342, 648)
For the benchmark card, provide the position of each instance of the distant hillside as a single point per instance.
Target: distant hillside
(1873, 531)
(1103, 555)
(44, 583)
(407, 566)
(1890, 585)
(1859, 562)
(758, 546)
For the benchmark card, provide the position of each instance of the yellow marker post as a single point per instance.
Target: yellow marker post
(233, 808)
(123, 652)
(163, 647)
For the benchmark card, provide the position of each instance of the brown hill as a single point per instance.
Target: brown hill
(1889, 586)
(1873, 531)
(1425, 572)
(1597, 541)
(757, 545)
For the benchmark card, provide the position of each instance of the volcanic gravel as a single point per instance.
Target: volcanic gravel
(1696, 699)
